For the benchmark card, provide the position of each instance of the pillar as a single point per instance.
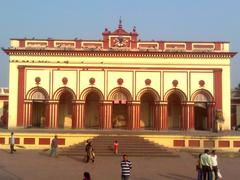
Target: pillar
(79, 114)
(27, 116)
(164, 115)
(157, 116)
(191, 123)
(210, 115)
(135, 117)
(53, 114)
(20, 105)
(106, 115)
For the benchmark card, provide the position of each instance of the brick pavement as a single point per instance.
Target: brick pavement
(36, 165)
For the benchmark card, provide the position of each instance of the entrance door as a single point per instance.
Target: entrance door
(200, 116)
(120, 116)
(38, 116)
(174, 112)
(92, 110)
(147, 111)
(65, 110)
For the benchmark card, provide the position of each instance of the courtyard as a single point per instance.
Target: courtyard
(37, 165)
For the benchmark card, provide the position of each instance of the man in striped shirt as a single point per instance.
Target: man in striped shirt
(126, 167)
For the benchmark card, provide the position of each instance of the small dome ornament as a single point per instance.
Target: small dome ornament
(37, 80)
(92, 81)
(201, 83)
(148, 82)
(175, 83)
(64, 80)
(120, 81)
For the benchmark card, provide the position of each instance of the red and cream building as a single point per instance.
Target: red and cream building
(118, 82)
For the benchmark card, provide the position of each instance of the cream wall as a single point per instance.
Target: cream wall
(171, 69)
(181, 77)
(31, 74)
(97, 75)
(206, 76)
(127, 77)
(155, 78)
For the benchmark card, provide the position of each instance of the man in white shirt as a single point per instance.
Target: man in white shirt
(206, 164)
(214, 164)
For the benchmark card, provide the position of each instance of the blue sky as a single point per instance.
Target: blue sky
(205, 20)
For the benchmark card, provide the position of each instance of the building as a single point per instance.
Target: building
(3, 107)
(118, 82)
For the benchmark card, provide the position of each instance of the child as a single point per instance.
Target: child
(115, 144)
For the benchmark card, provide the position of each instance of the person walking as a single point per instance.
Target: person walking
(126, 167)
(12, 143)
(90, 152)
(116, 145)
(54, 146)
(86, 176)
(214, 164)
(206, 164)
(199, 168)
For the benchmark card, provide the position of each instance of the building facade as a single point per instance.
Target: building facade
(3, 107)
(118, 82)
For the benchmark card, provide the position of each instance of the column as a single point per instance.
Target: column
(106, 115)
(157, 116)
(218, 87)
(27, 116)
(135, 121)
(191, 123)
(79, 114)
(53, 114)
(20, 105)
(164, 115)
(210, 115)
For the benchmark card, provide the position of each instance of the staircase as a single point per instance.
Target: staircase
(130, 145)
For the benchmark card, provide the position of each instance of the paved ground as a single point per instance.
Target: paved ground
(36, 165)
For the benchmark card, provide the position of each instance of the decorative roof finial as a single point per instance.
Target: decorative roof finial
(120, 23)
(134, 28)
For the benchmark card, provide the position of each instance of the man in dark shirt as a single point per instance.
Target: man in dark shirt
(54, 146)
(126, 167)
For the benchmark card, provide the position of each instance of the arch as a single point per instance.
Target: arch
(177, 91)
(121, 90)
(59, 91)
(33, 90)
(148, 90)
(89, 90)
(204, 92)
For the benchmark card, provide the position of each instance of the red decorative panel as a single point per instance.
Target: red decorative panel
(92, 81)
(189, 46)
(218, 46)
(175, 83)
(201, 83)
(64, 80)
(44, 141)
(179, 143)
(22, 43)
(203, 46)
(61, 141)
(120, 81)
(148, 82)
(223, 143)
(17, 141)
(92, 44)
(236, 143)
(175, 46)
(50, 43)
(37, 80)
(194, 143)
(29, 141)
(209, 144)
(148, 45)
(2, 140)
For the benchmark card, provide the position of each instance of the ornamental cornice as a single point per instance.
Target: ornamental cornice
(139, 54)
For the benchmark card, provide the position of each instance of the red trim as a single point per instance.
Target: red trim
(21, 74)
(29, 141)
(218, 88)
(44, 141)
(179, 143)
(61, 141)
(2, 140)
(223, 143)
(4, 98)
(194, 143)
(236, 143)
(21, 43)
(133, 54)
